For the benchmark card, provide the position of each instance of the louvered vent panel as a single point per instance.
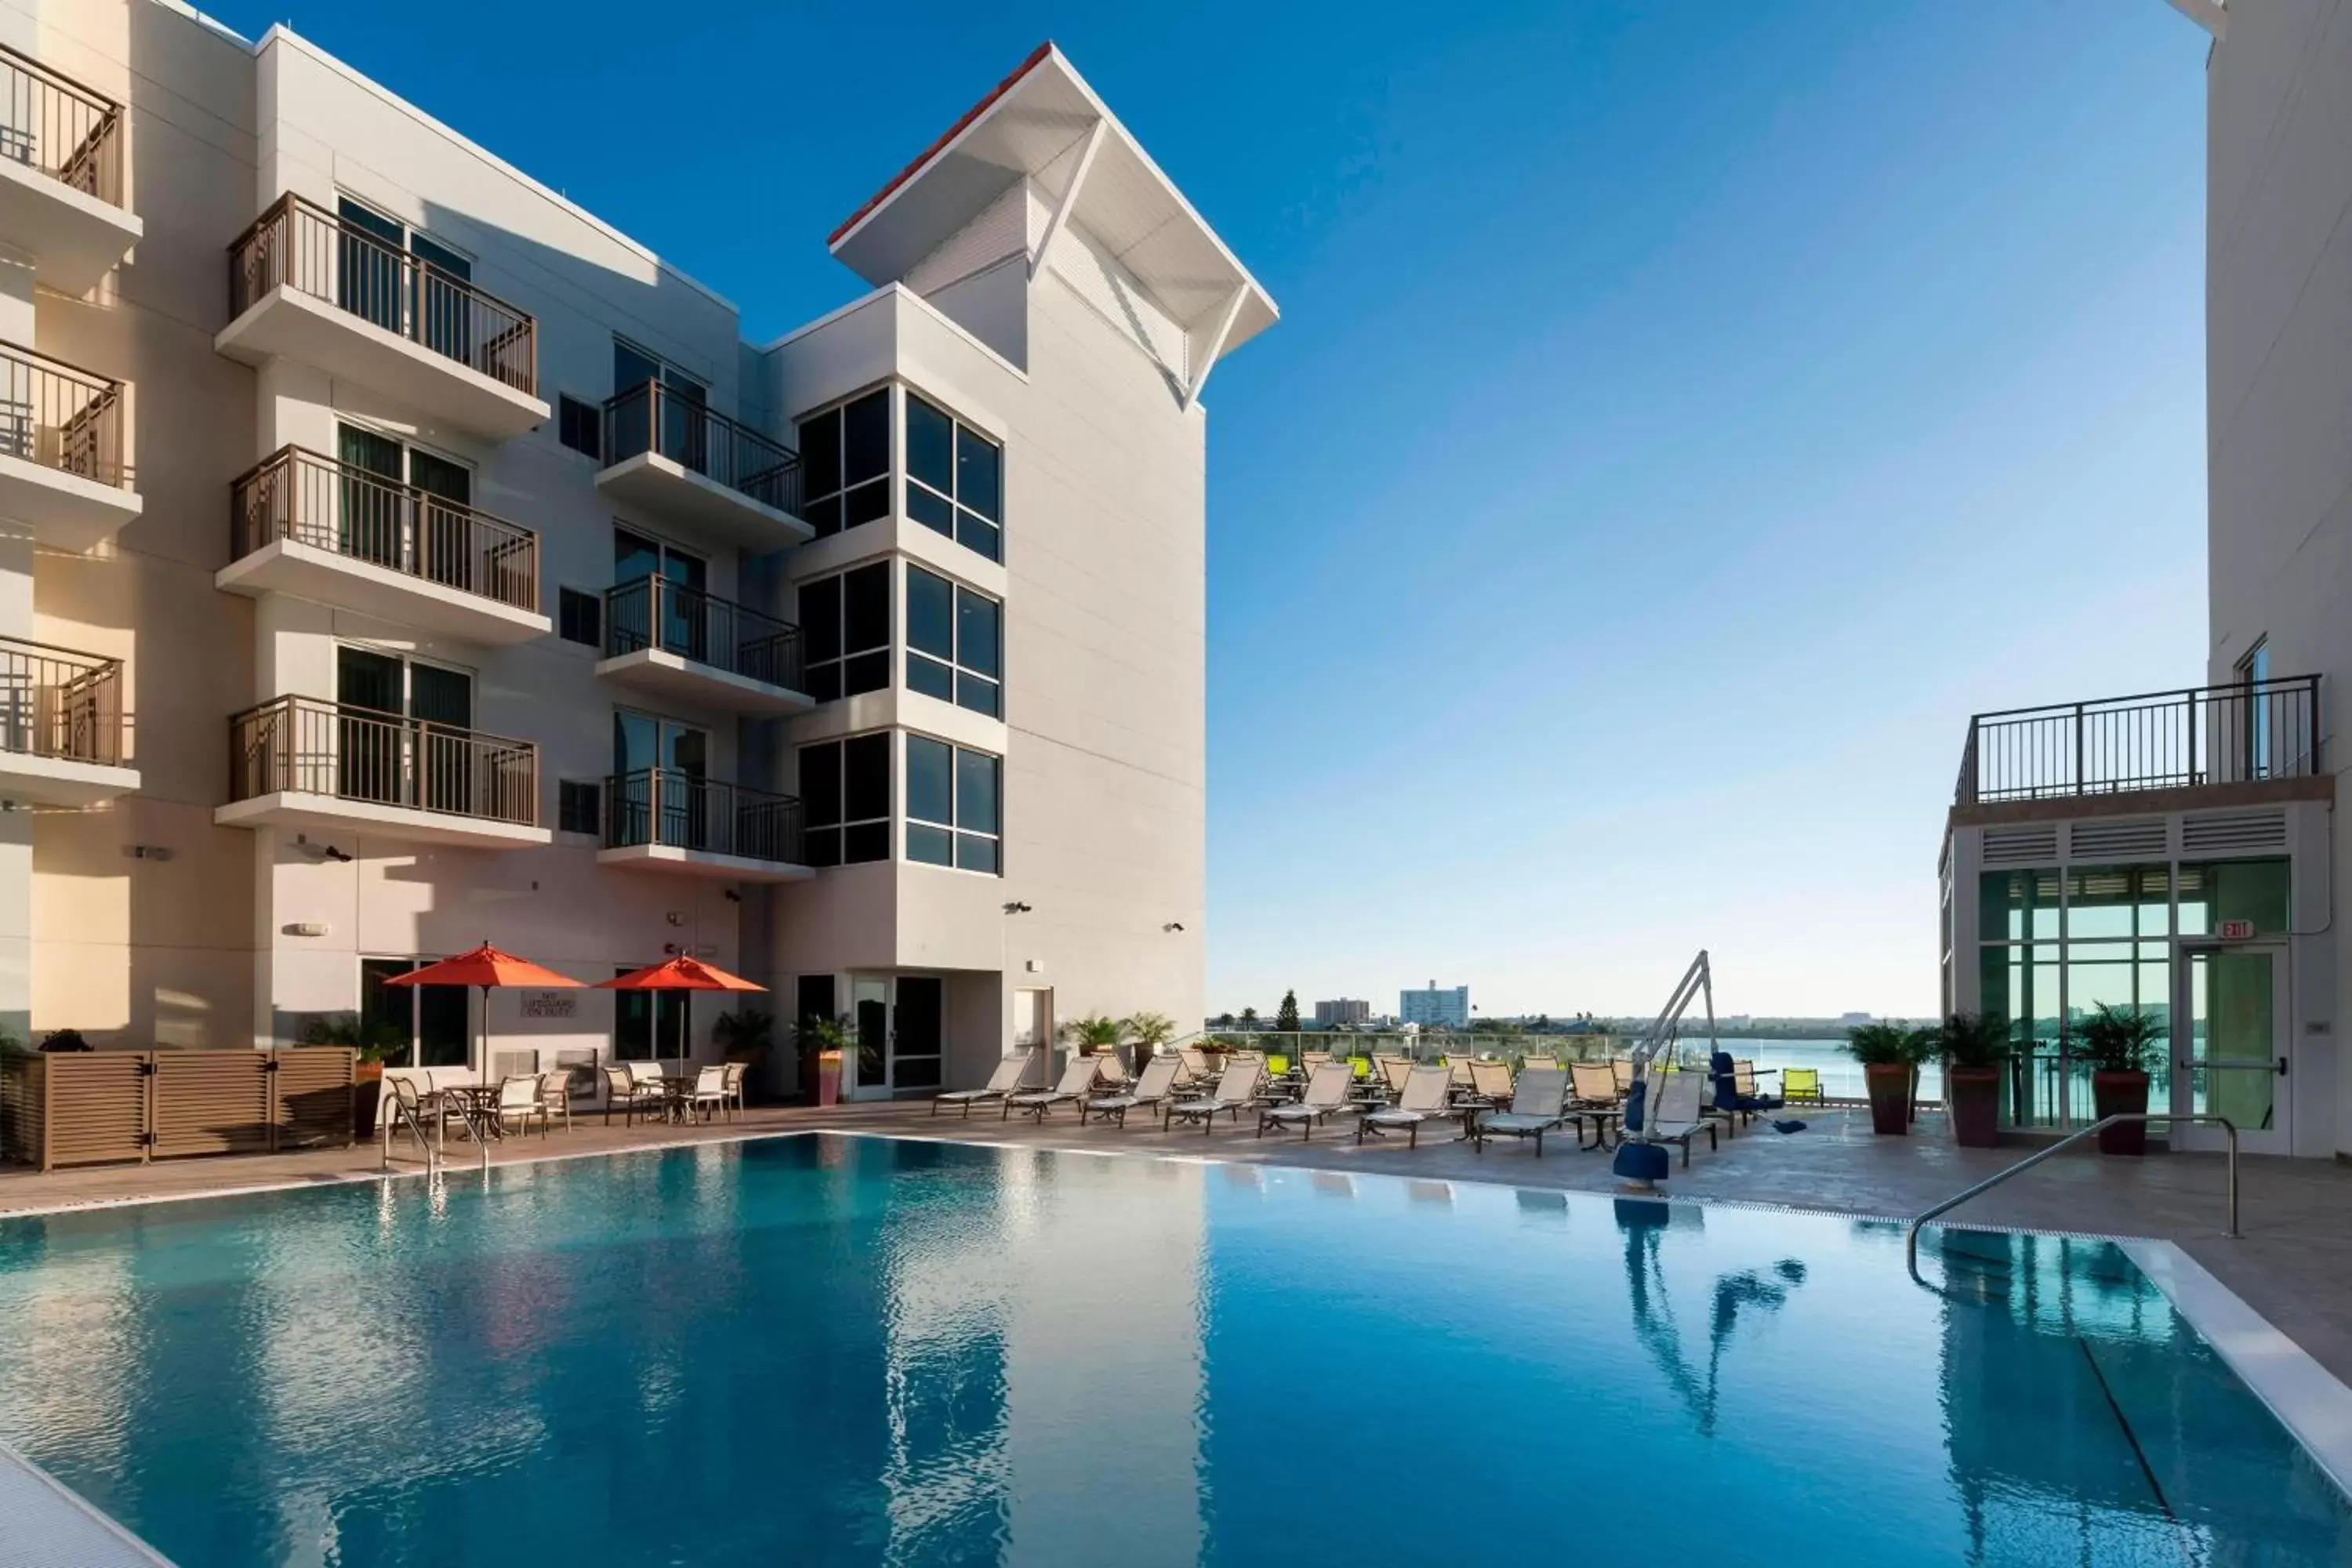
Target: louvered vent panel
(2116, 840)
(2234, 830)
(2021, 846)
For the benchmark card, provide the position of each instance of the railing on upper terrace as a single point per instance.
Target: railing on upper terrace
(308, 249)
(55, 702)
(54, 125)
(660, 418)
(678, 810)
(2240, 733)
(303, 745)
(60, 417)
(655, 612)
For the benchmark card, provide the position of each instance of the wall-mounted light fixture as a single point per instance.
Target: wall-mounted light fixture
(1174, 925)
(1016, 908)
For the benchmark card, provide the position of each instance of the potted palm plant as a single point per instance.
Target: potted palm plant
(821, 1042)
(1095, 1035)
(1974, 1045)
(1148, 1032)
(2120, 1043)
(1888, 1053)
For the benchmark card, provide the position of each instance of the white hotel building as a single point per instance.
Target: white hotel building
(398, 557)
(2185, 851)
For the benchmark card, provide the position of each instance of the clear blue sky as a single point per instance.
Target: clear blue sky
(1683, 416)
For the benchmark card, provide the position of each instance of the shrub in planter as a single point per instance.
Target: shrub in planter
(2121, 1044)
(1150, 1033)
(1974, 1045)
(821, 1042)
(1889, 1054)
(378, 1041)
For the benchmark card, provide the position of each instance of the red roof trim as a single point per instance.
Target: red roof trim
(1036, 57)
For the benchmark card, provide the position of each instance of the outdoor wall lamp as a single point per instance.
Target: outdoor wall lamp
(1016, 909)
(1174, 925)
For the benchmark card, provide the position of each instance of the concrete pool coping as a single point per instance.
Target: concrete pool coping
(2308, 1400)
(52, 1526)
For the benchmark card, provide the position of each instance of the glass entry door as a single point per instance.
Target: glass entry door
(900, 1022)
(2230, 1045)
(866, 1074)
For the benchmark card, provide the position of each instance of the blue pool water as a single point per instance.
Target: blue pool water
(833, 1350)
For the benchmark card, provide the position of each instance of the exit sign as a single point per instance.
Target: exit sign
(2237, 931)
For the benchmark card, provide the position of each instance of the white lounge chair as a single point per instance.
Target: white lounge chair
(1326, 1095)
(1012, 1070)
(1423, 1098)
(1237, 1086)
(708, 1094)
(624, 1094)
(1077, 1078)
(1536, 1104)
(1673, 1111)
(1151, 1086)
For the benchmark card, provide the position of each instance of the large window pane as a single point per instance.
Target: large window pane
(930, 678)
(2017, 906)
(931, 845)
(865, 437)
(976, 792)
(866, 503)
(931, 613)
(974, 853)
(821, 783)
(821, 618)
(866, 608)
(865, 778)
(821, 453)
(930, 446)
(978, 695)
(930, 780)
(933, 511)
(979, 475)
(866, 841)
(2108, 902)
(979, 538)
(979, 626)
(2222, 890)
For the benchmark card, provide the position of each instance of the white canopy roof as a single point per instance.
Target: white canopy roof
(1039, 123)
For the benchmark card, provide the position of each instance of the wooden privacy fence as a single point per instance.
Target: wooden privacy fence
(90, 1107)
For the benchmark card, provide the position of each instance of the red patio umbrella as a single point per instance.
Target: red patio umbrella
(487, 967)
(683, 974)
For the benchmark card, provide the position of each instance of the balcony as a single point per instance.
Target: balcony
(682, 645)
(62, 468)
(297, 762)
(2252, 734)
(306, 285)
(60, 727)
(323, 530)
(61, 176)
(659, 819)
(668, 453)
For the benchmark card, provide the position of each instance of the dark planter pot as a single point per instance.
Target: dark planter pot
(821, 1078)
(1890, 1098)
(2115, 1093)
(367, 1089)
(1974, 1096)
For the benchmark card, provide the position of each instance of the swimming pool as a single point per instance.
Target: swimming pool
(828, 1349)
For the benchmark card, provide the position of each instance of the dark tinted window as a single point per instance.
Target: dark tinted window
(580, 425)
(821, 618)
(821, 783)
(931, 613)
(978, 631)
(930, 780)
(979, 475)
(865, 777)
(577, 803)
(865, 607)
(865, 437)
(930, 446)
(579, 617)
(821, 453)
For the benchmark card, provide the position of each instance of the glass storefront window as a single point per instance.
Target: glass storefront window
(2017, 906)
(2222, 890)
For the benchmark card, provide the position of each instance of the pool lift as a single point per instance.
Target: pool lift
(1641, 1162)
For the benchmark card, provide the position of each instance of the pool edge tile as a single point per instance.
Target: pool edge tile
(2304, 1396)
(62, 1529)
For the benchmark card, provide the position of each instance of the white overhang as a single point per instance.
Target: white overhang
(1041, 124)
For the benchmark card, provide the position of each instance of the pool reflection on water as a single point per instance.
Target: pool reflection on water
(839, 1349)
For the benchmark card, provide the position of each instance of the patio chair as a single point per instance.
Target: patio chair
(1077, 1078)
(1490, 1082)
(519, 1103)
(1237, 1086)
(733, 1103)
(1326, 1097)
(1151, 1086)
(1621, 1068)
(1423, 1098)
(1592, 1102)
(1393, 1071)
(1197, 1068)
(555, 1096)
(1527, 1062)
(623, 1092)
(1536, 1106)
(1460, 1067)
(1110, 1072)
(1674, 1114)
(1800, 1086)
(709, 1095)
(1012, 1070)
(1310, 1061)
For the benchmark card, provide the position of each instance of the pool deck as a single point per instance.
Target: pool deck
(2293, 1264)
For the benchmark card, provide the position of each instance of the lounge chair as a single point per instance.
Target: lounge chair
(1490, 1082)
(1393, 1072)
(1423, 1098)
(1326, 1095)
(1592, 1100)
(1237, 1086)
(1077, 1077)
(1621, 1068)
(1732, 1102)
(1151, 1086)
(1673, 1114)
(1110, 1072)
(1460, 1067)
(625, 1094)
(1198, 1068)
(1535, 1105)
(519, 1103)
(1527, 1062)
(1011, 1069)
(1800, 1086)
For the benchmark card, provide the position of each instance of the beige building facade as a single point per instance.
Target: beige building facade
(399, 558)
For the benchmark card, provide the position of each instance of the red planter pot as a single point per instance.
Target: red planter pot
(820, 1077)
(2112, 1093)
(367, 1089)
(1890, 1098)
(1974, 1096)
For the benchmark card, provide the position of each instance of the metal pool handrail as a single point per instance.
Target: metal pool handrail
(1911, 1232)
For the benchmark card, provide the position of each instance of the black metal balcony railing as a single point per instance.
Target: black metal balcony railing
(308, 249)
(653, 611)
(658, 417)
(303, 745)
(298, 495)
(60, 417)
(55, 702)
(53, 124)
(2166, 739)
(681, 811)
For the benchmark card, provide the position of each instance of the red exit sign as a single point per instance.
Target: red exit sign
(2237, 931)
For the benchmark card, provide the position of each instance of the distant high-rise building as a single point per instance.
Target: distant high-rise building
(1333, 1014)
(1434, 1008)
